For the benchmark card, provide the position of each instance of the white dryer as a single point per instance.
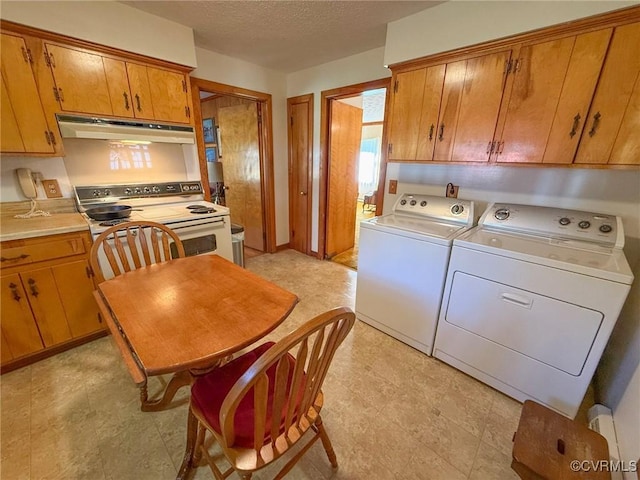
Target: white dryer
(402, 265)
(531, 297)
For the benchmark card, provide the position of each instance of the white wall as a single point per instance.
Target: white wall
(456, 24)
(108, 23)
(222, 69)
(351, 70)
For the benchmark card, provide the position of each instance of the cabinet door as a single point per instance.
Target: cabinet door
(75, 287)
(141, 95)
(18, 325)
(20, 95)
(613, 94)
(169, 95)
(47, 308)
(118, 84)
(415, 106)
(80, 80)
(626, 149)
(470, 104)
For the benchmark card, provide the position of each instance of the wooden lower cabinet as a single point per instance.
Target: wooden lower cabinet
(48, 303)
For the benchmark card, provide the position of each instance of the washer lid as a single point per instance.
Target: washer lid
(571, 255)
(433, 230)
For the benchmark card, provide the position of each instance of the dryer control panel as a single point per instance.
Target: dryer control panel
(555, 223)
(439, 208)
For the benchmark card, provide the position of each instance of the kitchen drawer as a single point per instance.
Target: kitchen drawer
(39, 251)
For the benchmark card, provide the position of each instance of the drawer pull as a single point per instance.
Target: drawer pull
(431, 128)
(574, 128)
(596, 124)
(441, 135)
(14, 291)
(138, 102)
(126, 100)
(13, 259)
(518, 300)
(33, 287)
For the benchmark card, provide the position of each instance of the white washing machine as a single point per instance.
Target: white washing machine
(531, 297)
(402, 265)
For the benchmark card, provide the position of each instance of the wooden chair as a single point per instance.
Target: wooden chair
(262, 403)
(132, 245)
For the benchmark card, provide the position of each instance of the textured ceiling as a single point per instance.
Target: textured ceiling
(285, 35)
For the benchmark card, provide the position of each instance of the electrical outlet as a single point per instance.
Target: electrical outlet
(452, 190)
(393, 186)
(51, 188)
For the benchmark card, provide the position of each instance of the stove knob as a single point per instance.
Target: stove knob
(412, 203)
(137, 190)
(155, 189)
(96, 193)
(127, 191)
(185, 188)
(147, 190)
(403, 202)
(107, 192)
(457, 209)
(501, 214)
(584, 224)
(423, 203)
(604, 228)
(564, 221)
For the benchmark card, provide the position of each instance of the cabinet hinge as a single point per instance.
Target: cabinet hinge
(89, 271)
(53, 138)
(516, 65)
(56, 95)
(47, 60)
(99, 318)
(291, 118)
(390, 148)
(508, 64)
(395, 87)
(187, 111)
(184, 86)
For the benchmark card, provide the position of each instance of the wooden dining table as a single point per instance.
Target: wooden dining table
(185, 316)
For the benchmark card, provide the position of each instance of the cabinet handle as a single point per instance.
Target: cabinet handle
(431, 128)
(33, 287)
(12, 259)
(14, 291)
(499, 147)
(53, 138)
(576, 124)
(47, 137)
(138, 102)
(489, 148)
(187, 112)
(596, 123)
(441, 135)
(126, 100)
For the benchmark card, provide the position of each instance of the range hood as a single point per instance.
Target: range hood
(72, 126)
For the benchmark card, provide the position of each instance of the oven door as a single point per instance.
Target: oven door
(211, 235)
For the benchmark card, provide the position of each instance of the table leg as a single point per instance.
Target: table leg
(188, 459)
(179, 380)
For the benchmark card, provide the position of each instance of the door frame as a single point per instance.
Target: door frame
(265, 141)
(308, 98)
(327, 96)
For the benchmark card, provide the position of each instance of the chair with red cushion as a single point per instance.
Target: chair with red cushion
(261, 404)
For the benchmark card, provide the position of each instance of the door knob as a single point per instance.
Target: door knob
(303, 193)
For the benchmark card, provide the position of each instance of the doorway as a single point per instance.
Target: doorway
(235, 148)
(352, 166)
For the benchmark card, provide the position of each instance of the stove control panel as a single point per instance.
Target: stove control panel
(96, 194)
(435, 208)
(555, 223)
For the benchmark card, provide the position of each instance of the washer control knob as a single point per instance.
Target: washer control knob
(412, 203)
(423, 203)
(403, 202)
(96, 193)
(127, 191)
(155, 189)
(147, 190)
(457, 209)
(564, 221)
(137, 190)
(107, 192)
(584, 224)
(501, 214)
(605, 228)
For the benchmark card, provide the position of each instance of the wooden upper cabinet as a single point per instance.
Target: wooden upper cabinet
(140, 91)
(80, 80)
(614, 110)
(469, 110)
(169, 95)
(24, 125)
(552, 85)
(415, 107)
(118, 85)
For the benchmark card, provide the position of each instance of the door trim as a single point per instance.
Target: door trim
(325, 122)
(308, 98)
(265, 141)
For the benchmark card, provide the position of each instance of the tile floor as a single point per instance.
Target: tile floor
(391, 411)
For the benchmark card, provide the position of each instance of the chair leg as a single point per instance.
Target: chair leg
(245, 475)
(189, 454)
(326, 443)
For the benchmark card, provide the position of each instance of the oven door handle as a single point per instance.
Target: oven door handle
(217, 223)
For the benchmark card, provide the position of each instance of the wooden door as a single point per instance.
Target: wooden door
(300, 110)
(168, 95)
(140, 91)
(430, 111)
(240, 157)
(342, 195)
(18, 325)
(481, 96)
(614, 92)
(449, 108)
(75, 288)
(48, 311)
(80, 80)
(118, 84)
(21, 102)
